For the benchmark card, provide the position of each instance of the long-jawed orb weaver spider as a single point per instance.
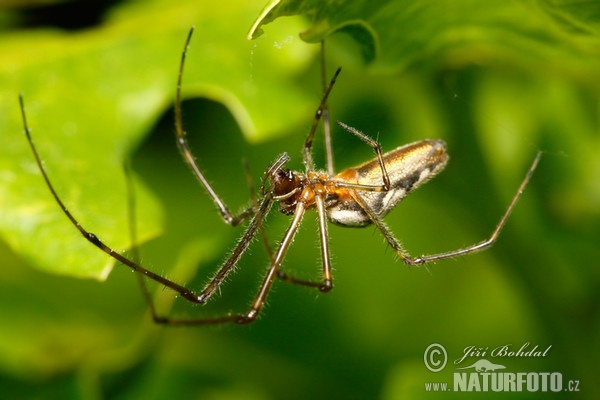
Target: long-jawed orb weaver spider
(355, 197)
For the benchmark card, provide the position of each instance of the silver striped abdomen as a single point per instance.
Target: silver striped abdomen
(408, 167)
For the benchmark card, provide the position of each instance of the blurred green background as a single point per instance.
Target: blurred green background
(497, 82)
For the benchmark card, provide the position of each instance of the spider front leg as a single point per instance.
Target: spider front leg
(260, 213)
(91, 237)
(274, 266)
(256, 221)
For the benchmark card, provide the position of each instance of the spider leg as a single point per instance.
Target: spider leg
(263, 234)
(494, 236)
(326, 117)
(322, 112)
(377, 148)
(385, 231)
(227, 267)
(228, 216)
(263, 209)
(135, 251)
(260, 298)
(89, 236)
(326, 284)
(309, 164)
(408, 259)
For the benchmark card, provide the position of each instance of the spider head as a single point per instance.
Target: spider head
(286, 187)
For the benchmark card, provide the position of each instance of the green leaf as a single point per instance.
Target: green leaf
(396, 34)
(91, 96)
(497, 83)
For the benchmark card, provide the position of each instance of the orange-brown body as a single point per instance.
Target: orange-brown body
(408, 167)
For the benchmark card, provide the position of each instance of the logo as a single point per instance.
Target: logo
(494, 373)
(435, 357)
(484, 365)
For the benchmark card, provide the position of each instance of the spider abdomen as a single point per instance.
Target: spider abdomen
(408, 167)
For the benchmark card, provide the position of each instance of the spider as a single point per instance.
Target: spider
(355, 197)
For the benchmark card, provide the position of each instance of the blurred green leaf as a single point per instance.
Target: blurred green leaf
(563, 36)
(91, 96)
(497, 81)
